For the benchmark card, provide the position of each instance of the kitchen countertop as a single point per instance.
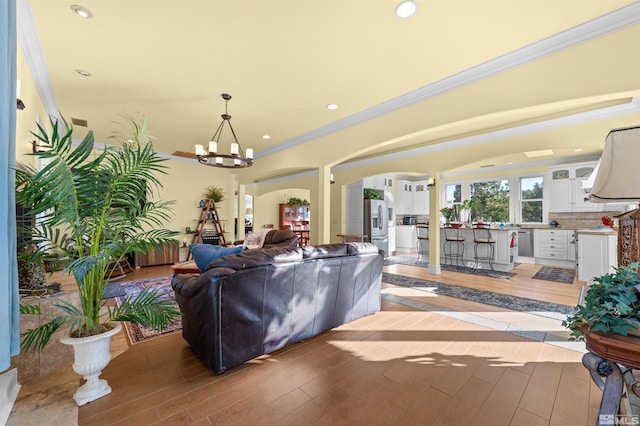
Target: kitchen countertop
(598, 231)
(544, 227)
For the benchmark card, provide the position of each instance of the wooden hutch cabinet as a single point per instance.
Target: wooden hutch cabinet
(296, 218)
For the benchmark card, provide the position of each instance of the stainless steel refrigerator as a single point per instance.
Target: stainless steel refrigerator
(375, 223)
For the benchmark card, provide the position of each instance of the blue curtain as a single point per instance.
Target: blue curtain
(9, 314)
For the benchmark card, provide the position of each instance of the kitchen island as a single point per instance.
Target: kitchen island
(505, 253)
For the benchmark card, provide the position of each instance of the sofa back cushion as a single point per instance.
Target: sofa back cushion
(280, 237)
(324, 250)
(258, 257)
(361, 248)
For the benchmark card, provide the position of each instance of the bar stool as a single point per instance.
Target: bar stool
(482, 237)
(453, 238)
(423, 241)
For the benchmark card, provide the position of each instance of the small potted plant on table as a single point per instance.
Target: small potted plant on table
(214, 193)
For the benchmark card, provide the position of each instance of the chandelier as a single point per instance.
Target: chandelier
(236, 158)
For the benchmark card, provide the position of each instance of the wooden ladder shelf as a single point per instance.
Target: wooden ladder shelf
(208, 212)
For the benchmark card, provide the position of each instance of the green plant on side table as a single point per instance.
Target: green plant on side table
(611, 305)
(214, 193)
(92, 209)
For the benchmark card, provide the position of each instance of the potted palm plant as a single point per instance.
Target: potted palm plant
(91, 211)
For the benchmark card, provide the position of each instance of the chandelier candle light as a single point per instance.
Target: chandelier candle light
(236, 158)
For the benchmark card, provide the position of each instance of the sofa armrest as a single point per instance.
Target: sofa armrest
(186, 285)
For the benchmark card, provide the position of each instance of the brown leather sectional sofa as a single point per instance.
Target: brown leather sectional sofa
(257, 301)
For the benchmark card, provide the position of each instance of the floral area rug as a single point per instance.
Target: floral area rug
(136, 332)
(522, 304)
(559, 275)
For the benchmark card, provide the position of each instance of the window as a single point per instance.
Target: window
(490, 201)
(453, 194)
(531, 199)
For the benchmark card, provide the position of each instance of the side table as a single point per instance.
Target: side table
(609, 359)
(188, 267)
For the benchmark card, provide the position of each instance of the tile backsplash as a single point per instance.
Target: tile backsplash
(582, 219)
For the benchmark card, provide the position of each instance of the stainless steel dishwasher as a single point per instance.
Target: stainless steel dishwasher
(525, 242)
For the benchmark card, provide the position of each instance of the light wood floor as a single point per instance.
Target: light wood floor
(401, 366)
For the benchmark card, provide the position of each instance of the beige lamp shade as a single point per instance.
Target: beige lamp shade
(618, 179)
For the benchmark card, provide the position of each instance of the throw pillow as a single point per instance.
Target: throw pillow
(255, 239)
(203, 254)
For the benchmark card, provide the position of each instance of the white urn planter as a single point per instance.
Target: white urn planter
(92, 354)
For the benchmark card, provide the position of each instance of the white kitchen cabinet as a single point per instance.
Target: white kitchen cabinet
(420, 199)
(404, 197)
(566, 193)
(374, 182)
(379, 182)
(406, 239)
(597, 253)
(554, 247)
(551, 244)
(506, 247)
(412, 198)
(388, 183)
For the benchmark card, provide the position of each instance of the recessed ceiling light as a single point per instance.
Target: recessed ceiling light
(578, 150)
(406, 9)
(266, 137)
(332, 106)
(81, 11)
(84, 73)
(508, 164)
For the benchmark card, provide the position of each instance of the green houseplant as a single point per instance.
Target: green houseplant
(91, 213)
(372, 194)
(214, 193)
(297, 202)
(468, 206)
(611, 305)
(450, 213)
(92, 210)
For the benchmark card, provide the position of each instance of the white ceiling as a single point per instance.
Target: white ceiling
(481, 81)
